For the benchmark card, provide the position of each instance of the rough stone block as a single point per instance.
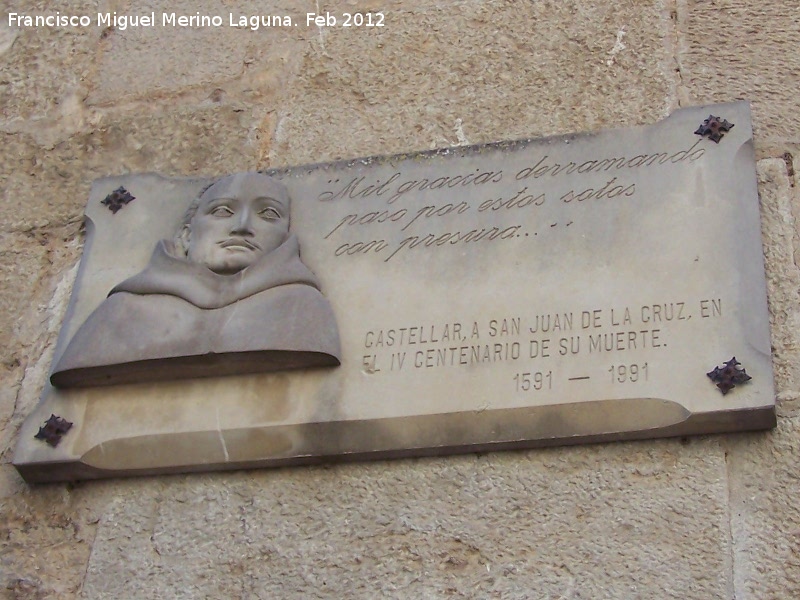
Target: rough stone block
(743, 50)
(779, 234)
(33, 320)
(765, 514)
(612, 521)
(47, 535)
(172, 59)
(23, 261)
(449, 73)
(43, 68)
(40, 187)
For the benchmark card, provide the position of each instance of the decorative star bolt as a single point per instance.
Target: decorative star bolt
(53, 430)
(117, 199)
(715, 128)
(727, 376)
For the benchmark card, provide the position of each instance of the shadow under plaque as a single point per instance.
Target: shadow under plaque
(578, 288)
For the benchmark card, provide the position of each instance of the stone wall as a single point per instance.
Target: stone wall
(700, 518)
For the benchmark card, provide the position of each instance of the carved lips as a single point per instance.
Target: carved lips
(240, 244)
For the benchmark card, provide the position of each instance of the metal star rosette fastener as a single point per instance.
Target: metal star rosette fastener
(714, 128)
(53, 430)
(117, 199)
(729, 375)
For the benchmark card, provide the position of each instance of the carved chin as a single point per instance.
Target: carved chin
(234, 263)
(228, 268)
(226, 261)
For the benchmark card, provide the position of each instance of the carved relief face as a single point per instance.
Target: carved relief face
(238, 220)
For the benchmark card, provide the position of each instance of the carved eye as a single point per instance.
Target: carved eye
(270, 214)
(221, 211)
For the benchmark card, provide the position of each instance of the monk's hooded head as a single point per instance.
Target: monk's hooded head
(236, 221)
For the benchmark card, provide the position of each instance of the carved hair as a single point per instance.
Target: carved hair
(181, 237)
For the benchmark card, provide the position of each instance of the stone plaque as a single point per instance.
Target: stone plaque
(579, 288)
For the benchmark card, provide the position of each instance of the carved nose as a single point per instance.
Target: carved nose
(243, 223)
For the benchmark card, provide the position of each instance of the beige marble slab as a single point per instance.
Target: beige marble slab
(549, 291)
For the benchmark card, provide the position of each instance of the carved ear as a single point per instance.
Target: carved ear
(184, 239)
